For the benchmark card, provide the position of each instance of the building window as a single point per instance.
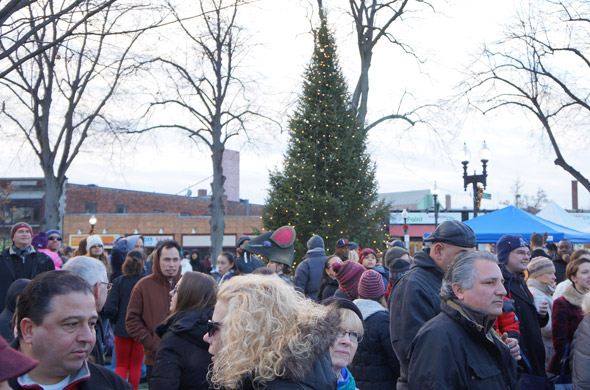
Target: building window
(90, 208)
(185, 214)
(158, 211)
(121, 209)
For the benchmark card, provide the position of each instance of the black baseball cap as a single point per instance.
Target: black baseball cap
(454, 233)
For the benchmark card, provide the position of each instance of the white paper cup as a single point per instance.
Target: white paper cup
(538, 301)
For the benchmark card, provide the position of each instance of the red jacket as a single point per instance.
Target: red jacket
(566, 315)
(148, 307)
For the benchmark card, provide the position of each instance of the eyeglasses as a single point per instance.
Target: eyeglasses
(175, 290)
(109, 285)
(355, 337)
(213, 326)
(54, 238)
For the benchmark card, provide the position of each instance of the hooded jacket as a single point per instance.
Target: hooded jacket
(468, 353)
(120, 250)
(13, 267)
(308, 275)
(148, 306)
(375, 366)
(309, 370)
(183, 359)
(413, 301)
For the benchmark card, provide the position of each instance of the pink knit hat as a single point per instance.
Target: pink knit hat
(348, 275)
(371, 285)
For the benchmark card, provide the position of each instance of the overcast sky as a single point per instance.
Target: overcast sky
(407, 159)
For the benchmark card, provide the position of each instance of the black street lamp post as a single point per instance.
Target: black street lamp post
(435, 198)
(475, 178)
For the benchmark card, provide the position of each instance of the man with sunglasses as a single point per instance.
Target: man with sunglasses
(21, 260)
(514, 255)
(95, 273)
(54, 241)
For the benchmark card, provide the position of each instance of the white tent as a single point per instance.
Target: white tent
(552, 212)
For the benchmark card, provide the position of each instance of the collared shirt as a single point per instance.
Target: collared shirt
(82, 374)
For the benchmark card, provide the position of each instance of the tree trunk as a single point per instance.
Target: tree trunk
(53, 192)
(216, 206)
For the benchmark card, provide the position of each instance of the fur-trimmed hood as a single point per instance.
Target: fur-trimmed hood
(306, 366)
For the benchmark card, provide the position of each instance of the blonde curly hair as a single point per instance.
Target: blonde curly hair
(266, 330)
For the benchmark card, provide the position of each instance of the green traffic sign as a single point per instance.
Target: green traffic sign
(486, 196)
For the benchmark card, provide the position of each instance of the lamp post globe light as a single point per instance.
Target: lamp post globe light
(435, 191)
(475, 178)
(406, 236)
(92, 222)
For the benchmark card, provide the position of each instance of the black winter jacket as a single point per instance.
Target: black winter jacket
(453, 352)
(182, 359)
(375, 366)
(115, 307)
(531, 341)
(311, 369)
(100, 379)
(321, 377)
(308, 275)
(413, 301)
(13, 267)
(328, 288)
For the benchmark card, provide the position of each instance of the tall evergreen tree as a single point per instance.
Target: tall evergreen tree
(327, 186)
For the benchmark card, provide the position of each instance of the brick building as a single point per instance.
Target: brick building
(125, 212)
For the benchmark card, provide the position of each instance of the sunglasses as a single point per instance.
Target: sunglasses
(54, 238)
(213, 326)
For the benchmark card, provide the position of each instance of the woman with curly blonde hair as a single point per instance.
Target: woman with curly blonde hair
(265, 335)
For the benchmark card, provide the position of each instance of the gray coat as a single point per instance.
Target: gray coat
(580, 354)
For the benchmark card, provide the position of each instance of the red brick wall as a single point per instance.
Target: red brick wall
(139, 202)
(125, 224)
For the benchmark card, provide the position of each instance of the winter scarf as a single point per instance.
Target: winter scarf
(22, 252)
(543, 287)
(345, 380)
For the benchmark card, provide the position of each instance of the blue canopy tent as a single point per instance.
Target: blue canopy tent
(490, 227)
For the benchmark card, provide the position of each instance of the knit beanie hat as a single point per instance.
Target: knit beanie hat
(507, 244)
(315, 242)
(348, 275)
(540, 266)
(398, 268)
(371, 285)
(93, 240)
(342, 303)
(40, 240)
(364, 253)
(53, 231)
(17, 226)
(394, 253)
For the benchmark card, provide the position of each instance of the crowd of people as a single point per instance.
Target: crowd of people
(451, 317)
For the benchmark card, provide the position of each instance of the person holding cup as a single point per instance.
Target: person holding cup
(567, 310)
(541, 283)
